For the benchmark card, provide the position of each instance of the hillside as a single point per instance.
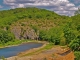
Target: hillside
(32, 18)
(39, 24)
(9, 16)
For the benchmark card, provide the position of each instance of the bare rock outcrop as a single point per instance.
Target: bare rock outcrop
(24, 33)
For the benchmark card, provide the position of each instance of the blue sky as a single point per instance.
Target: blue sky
(62, 7)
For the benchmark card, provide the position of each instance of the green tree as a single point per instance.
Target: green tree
(6, 36)
(68, 33)
(74, 45)
(42, 35)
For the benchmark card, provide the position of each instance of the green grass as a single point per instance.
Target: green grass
(2, 58)
(15, 42)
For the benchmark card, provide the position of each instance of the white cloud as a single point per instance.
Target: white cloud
(59, 6)
(70, 4)
(21, 5)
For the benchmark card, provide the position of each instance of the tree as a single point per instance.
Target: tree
(42, 35)
(6, 36)
(54, 35)
(78, 28)
(74, 45)
(68, 33)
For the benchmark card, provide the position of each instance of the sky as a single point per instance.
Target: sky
(62, 7)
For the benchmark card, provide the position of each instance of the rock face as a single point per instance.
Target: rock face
(24, 33)
(16, 31)
(29, 29)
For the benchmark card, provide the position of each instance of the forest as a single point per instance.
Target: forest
(47, 25)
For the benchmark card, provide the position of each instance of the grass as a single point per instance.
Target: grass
(47, 47)
(14, 43)
(2, 58)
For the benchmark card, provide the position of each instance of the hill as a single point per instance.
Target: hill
(9, 16)
(39, 24)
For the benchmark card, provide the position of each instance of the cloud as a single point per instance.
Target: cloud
(1, 6)
(63, 7)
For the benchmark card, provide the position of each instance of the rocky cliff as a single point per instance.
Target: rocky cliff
(29, 29)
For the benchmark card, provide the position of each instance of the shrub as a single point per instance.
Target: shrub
(77, 55)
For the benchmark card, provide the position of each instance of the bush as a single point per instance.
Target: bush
(6, 36)
(74, 45)
(77, 55)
